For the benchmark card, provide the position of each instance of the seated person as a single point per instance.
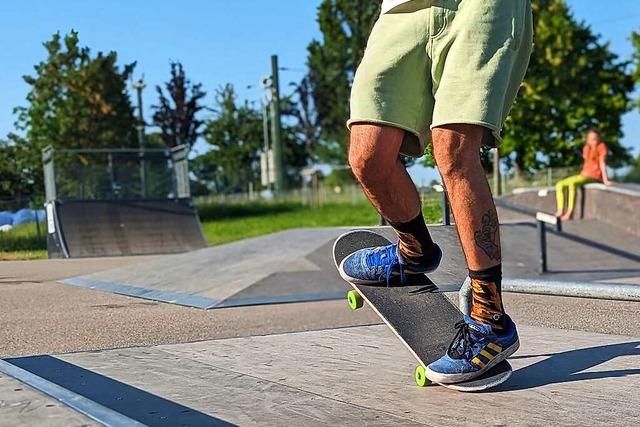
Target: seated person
(594, 169)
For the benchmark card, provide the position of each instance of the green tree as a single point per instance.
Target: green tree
(332, 61)
(574, 82)
(176, 114)
(235, 135)
(634, 173)
(75, 101)
(16, 178)
(635, 42)
(209, 176)
(300, 106)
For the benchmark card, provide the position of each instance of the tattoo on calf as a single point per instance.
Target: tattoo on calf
(486, 237)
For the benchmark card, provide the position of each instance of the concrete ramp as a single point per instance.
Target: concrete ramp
(90, 228)
(290, 266)
(615, 205)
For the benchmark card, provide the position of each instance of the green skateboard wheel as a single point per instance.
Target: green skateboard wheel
(354, 299)
(421, 377)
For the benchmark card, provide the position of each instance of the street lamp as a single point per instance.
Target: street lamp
(138, 86)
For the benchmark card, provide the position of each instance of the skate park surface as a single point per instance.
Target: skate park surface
(75, 354)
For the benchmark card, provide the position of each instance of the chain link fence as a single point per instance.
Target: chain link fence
(109, 174)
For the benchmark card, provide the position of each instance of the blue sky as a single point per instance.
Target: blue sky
(216, 41)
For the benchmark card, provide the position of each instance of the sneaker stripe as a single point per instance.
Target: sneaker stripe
(488, 355)
(478, 362)
(494, 347)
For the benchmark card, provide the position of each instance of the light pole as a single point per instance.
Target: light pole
(138, 86)
(278, 156)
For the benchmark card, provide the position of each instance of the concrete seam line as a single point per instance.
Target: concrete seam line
(91, 409)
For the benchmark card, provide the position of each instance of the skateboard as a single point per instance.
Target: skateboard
(417, 312)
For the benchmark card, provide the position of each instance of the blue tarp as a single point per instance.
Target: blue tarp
(6, 218)
(22, 216)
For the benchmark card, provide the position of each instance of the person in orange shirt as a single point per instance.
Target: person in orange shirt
(594, 169)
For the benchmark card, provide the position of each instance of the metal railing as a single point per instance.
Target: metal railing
(606, 291)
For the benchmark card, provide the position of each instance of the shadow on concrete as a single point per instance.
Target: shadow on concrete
(568, 366)
(601, 246)
(588, 242)
(124, 399)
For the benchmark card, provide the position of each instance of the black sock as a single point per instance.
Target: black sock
(486, 306)
(416, 245)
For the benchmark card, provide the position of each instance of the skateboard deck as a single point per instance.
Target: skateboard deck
(417, 312)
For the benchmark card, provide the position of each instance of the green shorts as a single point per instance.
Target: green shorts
(435, 62)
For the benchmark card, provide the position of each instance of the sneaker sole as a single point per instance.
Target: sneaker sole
(350, 279)
(441, 378)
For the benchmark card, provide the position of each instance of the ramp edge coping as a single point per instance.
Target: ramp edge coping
(87, 407)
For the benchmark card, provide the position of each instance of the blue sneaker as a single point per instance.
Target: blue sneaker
(382, 264)
(474, 350)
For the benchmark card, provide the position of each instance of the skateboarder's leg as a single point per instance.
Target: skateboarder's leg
(456, 149)
(481, 74)
(373, 157)
(391, 108)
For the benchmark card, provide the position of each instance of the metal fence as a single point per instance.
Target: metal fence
(349, 194)
(111, 174)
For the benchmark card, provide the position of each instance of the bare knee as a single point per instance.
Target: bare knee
(373, 151)
(456, 148)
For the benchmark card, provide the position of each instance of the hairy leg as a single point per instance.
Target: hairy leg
(373, 157)
(456, 149)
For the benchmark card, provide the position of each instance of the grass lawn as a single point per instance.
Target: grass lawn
(22, 243)
(227, 223)
(22, 255)
(223, 223)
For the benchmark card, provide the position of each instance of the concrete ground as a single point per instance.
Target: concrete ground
(41, 316)
(315, 363)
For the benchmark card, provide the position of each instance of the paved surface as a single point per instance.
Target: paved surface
(587, 250)
(39, 316)
(351, 376)
(34, 305)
